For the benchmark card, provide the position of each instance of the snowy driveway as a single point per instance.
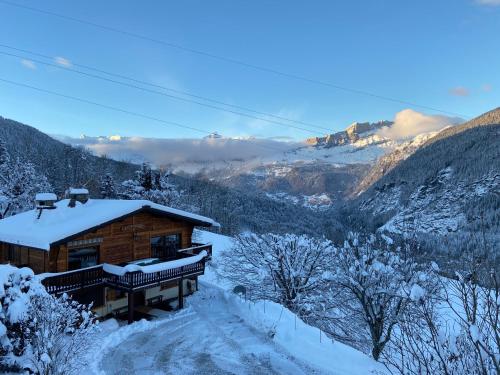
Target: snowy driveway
(208, 339)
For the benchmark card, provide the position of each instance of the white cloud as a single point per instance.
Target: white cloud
(488, 2)
(409, 123)
(459, 91)
(63, 62)
(28, 64)
(175, 152)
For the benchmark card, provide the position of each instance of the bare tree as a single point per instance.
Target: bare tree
(379, 282)
(286, 268)
(455, 329)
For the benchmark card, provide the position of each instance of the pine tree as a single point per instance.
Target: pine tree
(108, 187)
(145, 177)
(4, 154)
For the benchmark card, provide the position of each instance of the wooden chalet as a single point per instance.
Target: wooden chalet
(117, 254)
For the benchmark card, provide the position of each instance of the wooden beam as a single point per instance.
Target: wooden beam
(181, 293)
(130, 307)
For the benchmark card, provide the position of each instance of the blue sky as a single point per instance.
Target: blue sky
(443, 54)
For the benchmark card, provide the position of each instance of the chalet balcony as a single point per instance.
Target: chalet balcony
(138, 275)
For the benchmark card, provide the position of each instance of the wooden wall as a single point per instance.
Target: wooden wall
(36, 259)
(126, 240)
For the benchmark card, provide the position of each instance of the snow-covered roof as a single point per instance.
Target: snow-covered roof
(78, 191)
(63, 222)
(45, 197)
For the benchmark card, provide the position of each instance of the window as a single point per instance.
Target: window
(82, 258)
(165, 247)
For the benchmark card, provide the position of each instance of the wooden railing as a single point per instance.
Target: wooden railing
(139, 280)
(73, 280)
(93, 276)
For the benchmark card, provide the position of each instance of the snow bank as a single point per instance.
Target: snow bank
(302, 341)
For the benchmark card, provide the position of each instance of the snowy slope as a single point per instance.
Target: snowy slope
(449, 184)
(302, 174)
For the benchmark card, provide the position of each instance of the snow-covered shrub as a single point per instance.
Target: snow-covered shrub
(283, 268)
(39, 332)
(374, 283)
(455, 330)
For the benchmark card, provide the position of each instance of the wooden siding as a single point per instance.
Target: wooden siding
(126, 240)
(36, 259)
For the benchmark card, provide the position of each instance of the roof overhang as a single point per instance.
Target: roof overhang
(145, 208)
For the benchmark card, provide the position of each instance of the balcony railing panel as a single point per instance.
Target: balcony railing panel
(94, 276)
(73, 280)
(137, 280)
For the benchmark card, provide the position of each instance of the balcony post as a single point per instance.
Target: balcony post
(181, 293)
(130, 307)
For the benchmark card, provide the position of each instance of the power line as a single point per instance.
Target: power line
(169, 88)
(231, 60)
(121, 110)
(160, 93)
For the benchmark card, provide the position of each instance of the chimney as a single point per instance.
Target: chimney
(78, 195)
(45, 201)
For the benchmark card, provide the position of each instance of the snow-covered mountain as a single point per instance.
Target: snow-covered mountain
(315, 173)
(321, 171)
(451, 183)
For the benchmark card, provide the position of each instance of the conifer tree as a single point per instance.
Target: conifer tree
(108, 187)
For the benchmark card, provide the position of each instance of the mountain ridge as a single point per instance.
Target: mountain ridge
(448, 184)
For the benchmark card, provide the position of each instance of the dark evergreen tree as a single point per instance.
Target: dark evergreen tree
(4, 154)
(145, 177)
(108, 190)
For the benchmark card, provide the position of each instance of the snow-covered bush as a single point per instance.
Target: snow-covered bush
(283, 268)
(455, 330)
(39, 332)
(374, 282)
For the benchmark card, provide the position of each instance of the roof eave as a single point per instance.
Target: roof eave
(145, 208)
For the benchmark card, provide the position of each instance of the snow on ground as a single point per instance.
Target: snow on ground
(219, 333)
(207, 337)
